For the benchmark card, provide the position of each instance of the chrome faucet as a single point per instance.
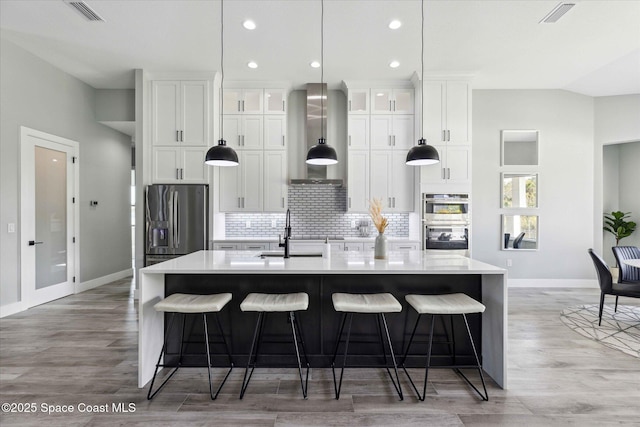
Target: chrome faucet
(287, 235)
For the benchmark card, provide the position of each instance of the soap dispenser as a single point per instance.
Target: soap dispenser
(326, 249)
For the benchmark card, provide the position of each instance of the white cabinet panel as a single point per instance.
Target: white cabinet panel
(252, 132)
(194, 169)
(454, 166)
(358, 181)
(225, 246)
(195, 113)
(252, 181)
(358, 101)
(381, 176)
(403, 132)
(182, 165)
(358, 132)
(275, 101)
(241, 101)
(275, 131)
(166, 164)
(232, 130)
(458, 120)
(392, 180)
(254, 246)
(381, 132)
(447, 112)
(392, 101)
(275, 181)
(165, 110)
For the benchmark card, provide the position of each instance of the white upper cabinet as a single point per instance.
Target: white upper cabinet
(275, 132)
(392, 132)
(358, 126)
(358, 102)
(275, 101)
(275, 181)
(392, 101)
(454, 166)
(242, 101)
(243, 131)
(392, 180)
(182, 165)
(447, 112)
(358, 181)
(180, 113)
(240, 188)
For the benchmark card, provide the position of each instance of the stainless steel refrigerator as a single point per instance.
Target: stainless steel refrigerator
(176, 220)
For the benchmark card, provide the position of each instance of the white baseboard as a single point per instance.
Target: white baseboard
(94, 283)
(9, 309)
(553, 283)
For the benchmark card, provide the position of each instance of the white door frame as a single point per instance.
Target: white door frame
(28, 296)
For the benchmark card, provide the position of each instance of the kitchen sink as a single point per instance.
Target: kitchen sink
(269, 254)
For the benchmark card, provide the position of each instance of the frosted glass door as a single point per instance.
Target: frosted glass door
(51, 217)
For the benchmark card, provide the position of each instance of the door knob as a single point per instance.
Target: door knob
(33, 242)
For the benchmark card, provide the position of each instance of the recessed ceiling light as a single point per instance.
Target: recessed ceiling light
(249, 24)
(380, 94)
(252, 64)
(394, 64)
(395, 24)
(315, 64)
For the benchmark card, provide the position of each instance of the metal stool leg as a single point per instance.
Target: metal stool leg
(395, 383)
(484, 396)
(413, 333)
(206, 338)
(338, 387)
(245, 380)
(304, 384)
(150, 395)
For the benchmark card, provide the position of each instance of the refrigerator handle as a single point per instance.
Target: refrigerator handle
(176, 223)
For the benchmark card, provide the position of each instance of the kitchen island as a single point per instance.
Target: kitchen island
(242, 272)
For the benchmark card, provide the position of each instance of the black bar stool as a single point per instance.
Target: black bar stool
(192, 304)
(449, 304)
(269, 303)
(377, 304)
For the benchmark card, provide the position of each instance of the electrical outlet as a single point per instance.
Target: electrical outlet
(248, 224)
(273, 223)
(353, 223)
(509, 263)
(11, 227)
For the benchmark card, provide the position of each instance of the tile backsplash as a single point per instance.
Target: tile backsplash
(316, 211)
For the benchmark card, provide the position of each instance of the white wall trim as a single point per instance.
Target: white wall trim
(553, 283)
(94, 283)
(13, 308)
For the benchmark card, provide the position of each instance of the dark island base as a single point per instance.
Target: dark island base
(320, 323)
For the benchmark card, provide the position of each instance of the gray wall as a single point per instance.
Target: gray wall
(621, 190)
(617, 121)
(37, 95)
(565, 122)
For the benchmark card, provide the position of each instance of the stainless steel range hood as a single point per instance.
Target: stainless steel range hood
(316, 127)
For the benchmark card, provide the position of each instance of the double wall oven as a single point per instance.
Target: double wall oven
(445, 219)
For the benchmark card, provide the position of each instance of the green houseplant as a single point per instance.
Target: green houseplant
(616, 224)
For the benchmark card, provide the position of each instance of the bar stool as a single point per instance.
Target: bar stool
(192, 304)
(269, 303)
(377, 304)
(449, 304)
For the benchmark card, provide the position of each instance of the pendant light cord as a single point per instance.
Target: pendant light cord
(422, 71)
(221, 67)
(322, 135)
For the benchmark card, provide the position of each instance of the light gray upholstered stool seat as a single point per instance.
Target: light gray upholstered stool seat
(377, 304)
(192, 304)
(270, 303)
(447, 304)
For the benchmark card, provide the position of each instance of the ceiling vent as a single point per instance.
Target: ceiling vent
(557, 13)
(85, 10)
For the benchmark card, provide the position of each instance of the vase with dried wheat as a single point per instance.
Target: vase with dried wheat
(375, 211)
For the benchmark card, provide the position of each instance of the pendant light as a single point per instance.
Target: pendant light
(322, 153)
(422, 154)
(221, 154)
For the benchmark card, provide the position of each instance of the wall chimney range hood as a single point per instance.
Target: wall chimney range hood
(315, 128)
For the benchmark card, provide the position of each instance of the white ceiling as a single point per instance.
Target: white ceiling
(594, 49)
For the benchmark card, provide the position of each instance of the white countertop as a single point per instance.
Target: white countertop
(249, 262)
(345, 240)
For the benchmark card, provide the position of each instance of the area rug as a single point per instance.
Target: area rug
(620, 330)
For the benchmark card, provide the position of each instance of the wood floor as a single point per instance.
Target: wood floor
(82, 351)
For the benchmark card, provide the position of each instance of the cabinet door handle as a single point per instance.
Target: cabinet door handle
(181, 136)
(389, 140)
(443, 173)
(394, 140)
(349, 105)
(394, 105)
(242, 105)
(390, 109)
(177, 136)
(283, 137)
(349, 140)
(444, 135)
(181, 173)
(283, 202)
(243, 135)
(283, 110)
(243, 197)
(349, 202)
(238, 140)
(448, 173)
(239, 199)
(448, 135)
(239, 106)
(177, 173)
(394, 202)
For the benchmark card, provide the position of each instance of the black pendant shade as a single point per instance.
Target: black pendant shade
(221, 155)
(422, 154)
(322, 154)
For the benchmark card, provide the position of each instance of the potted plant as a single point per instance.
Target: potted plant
(616, 223)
